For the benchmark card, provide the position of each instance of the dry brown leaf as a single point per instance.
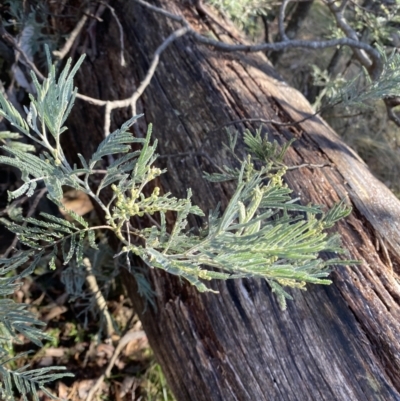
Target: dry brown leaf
(129, 384)
(55, 352)
(54, 312)
(63, 390)
(85, 386)
(77, 201)
(136, 345)
(46, 361)
(105, 350)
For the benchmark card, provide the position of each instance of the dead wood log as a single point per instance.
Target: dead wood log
(339, 342)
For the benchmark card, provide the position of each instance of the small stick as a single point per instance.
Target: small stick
(60, 54)
(101, 302)
(128, 337)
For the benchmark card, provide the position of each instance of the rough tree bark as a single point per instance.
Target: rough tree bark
(338, 342)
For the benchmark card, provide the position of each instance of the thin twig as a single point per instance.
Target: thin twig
(131, 101)
(205, 11)
(338, 13)
(127, 338)
(98, 295)
(128, 261)
(265, 121)
(277, 46)
(192, 154)
(155, 222)
(60, 54)
(121, 32)
(281, 20)
(309, 165)
(7, 37)
(275, 122)
(146, 81)
(107, 118)
(162, 12)
(187, 29)
(91, 100)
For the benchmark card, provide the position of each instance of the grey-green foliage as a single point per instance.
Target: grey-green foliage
(378, 22)
(266, 232)
(12, 140)
(361, 91)
(16, 319)
(244, 13)
(262, 233)
(30, 20)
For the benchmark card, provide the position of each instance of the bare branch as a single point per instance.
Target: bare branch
(110, 105)
(91, 281)
(308, 165)
(121, 32)
(107, 118)
(131, 101)
(175, 35)
(159, 10)
(60, 54)
(7, 37)
(275, 122)
(352, 34)
(286, 45)
(377, 64)
(192, 154)
(390, 103)
(281, 20)
(91, 100)
(343, 5)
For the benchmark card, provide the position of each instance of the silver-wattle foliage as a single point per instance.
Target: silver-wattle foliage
(262, 233)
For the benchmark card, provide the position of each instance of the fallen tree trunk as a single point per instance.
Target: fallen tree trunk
(339, 342)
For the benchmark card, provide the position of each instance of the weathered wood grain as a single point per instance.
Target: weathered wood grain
(339, 342)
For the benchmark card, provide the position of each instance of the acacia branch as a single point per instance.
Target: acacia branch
(373, 69)
(367, 55)
(277, 46)
(32, 210)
